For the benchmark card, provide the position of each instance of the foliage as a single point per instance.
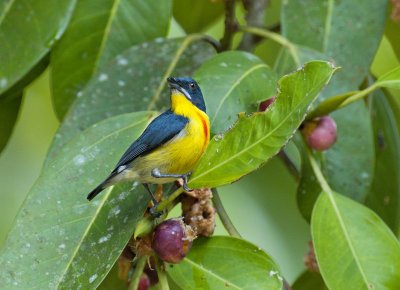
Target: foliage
(109, 61)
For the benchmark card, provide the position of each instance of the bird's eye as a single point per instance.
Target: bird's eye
(192, 86)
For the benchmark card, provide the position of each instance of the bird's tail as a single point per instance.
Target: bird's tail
(96, 191)
(101, 186)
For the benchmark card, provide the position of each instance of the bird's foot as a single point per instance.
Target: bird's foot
(157, 174)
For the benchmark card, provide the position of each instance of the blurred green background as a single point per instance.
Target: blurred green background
(255, 203)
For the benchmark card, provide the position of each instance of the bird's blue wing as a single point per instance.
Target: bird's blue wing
(158, 132)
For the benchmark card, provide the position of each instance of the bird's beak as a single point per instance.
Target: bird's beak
(174, 85)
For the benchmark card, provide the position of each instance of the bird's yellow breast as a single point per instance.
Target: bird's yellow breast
(181, 154)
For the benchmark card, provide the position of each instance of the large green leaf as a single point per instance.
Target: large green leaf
(99, 31)
(197, 15)
(137, 85)
(226, 262)
(26, 36)
(255, 138)
(59, 239)
(234, 82)
(384, 197)
(9, 108)
(354, 247)
(339, 29)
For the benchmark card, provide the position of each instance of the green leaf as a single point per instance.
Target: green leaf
(99, 31)
(392, 30)
(339, 29)
(256, 138)
(225, 262)
(196, 16)
(9, 108)
(234, 82)
(384, 197)
(23, 23)
(390, 79)
(59, 239)
(309, 281)
(353, 246)
(137, 85)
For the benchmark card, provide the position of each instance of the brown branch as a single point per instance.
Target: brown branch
(254, 17)
(231, 25)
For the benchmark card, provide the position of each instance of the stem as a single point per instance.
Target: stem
(226, 221)
(165, 203)
(358, 96)
(141, 262)
(162, 277)
(254, 17)
(230, 24)
(318, 174)
(275, 37)
(289, 164)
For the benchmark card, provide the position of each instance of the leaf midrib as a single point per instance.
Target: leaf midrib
(6, 10)
(251, 145)
(347, 236)
(194, 264)
(99, 208)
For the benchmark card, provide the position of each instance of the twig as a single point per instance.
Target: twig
(162, 277)
(141, 262)
(226, 221)
(254, 17)
(275, 37)
(230, 25)
(290, 165)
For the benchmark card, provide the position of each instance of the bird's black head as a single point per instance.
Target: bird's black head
(190, 89)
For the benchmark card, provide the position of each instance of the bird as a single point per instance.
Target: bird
(170, 146)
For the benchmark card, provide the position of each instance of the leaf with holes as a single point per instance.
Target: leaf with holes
(134, 81)
(26, 36)
(59, 239)
(234, 82)
(353, 245)
(256, 138)
(204, 268)
(99, 31)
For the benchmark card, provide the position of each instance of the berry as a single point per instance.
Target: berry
(265, 104)
(172, 240)
(320, 133)
(144, 282)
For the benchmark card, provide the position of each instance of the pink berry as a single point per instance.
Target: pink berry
(172, 240)
(320, 133)
(265, 104)
(144, 282)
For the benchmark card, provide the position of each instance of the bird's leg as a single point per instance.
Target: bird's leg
(153, 209)
(157, 174)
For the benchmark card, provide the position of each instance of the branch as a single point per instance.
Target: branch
(226, 221)
(254, 17)
(289, 164)
(230, 25)
(141, 262)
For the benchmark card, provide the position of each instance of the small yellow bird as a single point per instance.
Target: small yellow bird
(170, 146)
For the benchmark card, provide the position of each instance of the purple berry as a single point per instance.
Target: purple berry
(172, 240)
(144, 282)
(320, 133)
(265, 104)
